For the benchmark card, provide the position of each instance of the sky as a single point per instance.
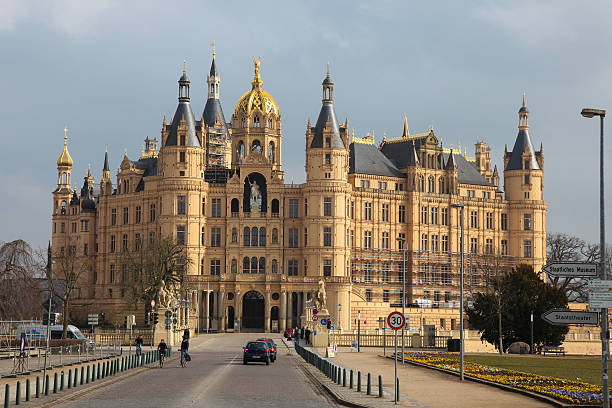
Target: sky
(108, 70)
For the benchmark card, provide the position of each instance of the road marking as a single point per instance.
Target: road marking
(216, 377)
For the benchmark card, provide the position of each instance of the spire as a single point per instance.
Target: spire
(184, 84)
(106, 161)
(183, 111)
(257, 82)
(413, 157)
(327, 117)
(65, 159)
(523, 115)
(213, 78)
(405, 132)
(522, 145)
(495, 170)
(450, 164)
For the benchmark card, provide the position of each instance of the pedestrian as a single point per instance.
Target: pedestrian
(139, 341)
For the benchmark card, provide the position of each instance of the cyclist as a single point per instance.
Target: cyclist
(139, 340)
(184, 351)
(162, 348)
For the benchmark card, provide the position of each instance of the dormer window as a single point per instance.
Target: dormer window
(328, 142)
(327, 158)
(183, 140)
(527, 166)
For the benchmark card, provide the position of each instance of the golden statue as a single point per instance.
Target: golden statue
(256, 62)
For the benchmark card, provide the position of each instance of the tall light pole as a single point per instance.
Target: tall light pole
(605, 343)
(403, 241)
(462, 207)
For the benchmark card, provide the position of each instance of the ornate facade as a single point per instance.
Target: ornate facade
(369, 220)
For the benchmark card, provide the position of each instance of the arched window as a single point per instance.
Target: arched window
(254, 265)
(431, 185)
(243, 122)
(256, 121)
(241, 150)
(235, 205)
(271, 152)
(274, 266)
(234, 235)
(262, 237)
(234, 265)
(254, 236)
(441, 186)
(421, 184)
(63, 208)
(275, 236)
(262, 265)
(256, 145)
(275, 206)
(202, 266)
(247, 236)
(246, 265)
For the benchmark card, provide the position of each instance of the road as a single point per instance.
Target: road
(215, 377)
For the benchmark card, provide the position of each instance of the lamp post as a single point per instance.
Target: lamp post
(605, 343)
(403, 241)
(461, 206)
(531, 318)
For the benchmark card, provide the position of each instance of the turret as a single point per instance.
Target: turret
(64, 165)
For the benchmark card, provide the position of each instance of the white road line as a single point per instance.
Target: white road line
(216, 377)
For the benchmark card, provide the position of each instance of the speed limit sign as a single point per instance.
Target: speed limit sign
(396, 320)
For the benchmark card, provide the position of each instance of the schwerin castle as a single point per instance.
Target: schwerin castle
(369, 220)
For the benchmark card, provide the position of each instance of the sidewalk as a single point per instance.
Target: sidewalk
(424, 388)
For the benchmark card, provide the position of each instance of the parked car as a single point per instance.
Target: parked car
(39, 331)
(288, 334)
(256, 351)
(272, 348)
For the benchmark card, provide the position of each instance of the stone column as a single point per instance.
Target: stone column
(207, 309)
(283, 311)
(290, 310)
(238, 311)
(216, 309)
(222, 311)
(267, 312)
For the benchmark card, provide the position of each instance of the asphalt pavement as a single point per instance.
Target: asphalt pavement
(216, 377)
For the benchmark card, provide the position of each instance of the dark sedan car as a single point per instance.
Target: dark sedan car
(257, 351)
(272, 348)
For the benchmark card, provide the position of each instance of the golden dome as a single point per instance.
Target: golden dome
(256, 98)
(65, 159)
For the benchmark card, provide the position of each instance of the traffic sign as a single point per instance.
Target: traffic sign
(564, 317)
(92, 319)
(396, 320)
(333, 319)
(315, 311)
(168, 313)
(571, 269)
(314, 318)
(168, 321)
(600, 294)
(152, 303)
(323, 322)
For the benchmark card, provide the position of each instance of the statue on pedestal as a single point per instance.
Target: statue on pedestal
(255, 196)
(320, 298)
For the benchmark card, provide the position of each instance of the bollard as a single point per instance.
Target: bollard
(55, 380)
(82, 375)
(88, 372)
(76, 375)
(98, 372)
(69, 379)
(340, 375)
(103, 369)
(398, 393)
(380, 387)
(18, 393)
(358, 381)
(7, 395)
(122, 363)
(27, 389)
(351, 380)
(369, 385)
(37, 387)
(47, 384)
(344, 377)
(93, 372)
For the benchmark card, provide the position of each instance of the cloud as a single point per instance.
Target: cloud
(73, 17)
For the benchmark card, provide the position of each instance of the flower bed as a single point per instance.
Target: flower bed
(568, 391)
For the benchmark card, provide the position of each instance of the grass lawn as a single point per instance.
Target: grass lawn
(587, 369)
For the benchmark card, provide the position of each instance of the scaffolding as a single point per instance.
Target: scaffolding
(432, 278)
(216, 168)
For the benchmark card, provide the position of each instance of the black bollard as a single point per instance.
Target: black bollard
(351, 380)
(76, 375)
(344, 377)
(47, 384)
(55, 380)
(7, 395)
(88, 372)
(82, 375)
(358, 381)
(93, 372)
(398, 393)
(380, 387)
(62, 382)
(98, 372)
(69, 379)
(18, 393)
(103, 369)
(369, 385)
(27, 389)
(37, 387)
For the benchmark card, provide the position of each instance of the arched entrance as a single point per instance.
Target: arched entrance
(253, 311)
(274, 319)
(230, 317)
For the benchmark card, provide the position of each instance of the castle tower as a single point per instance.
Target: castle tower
(483, 161)
(256, 125)
(106, 184)
(61, 195)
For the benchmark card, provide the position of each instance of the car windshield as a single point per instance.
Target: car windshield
(78, 334)
(256, 346)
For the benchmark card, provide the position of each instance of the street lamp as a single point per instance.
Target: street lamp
(605, 343)
(457, 205)
(403, 241)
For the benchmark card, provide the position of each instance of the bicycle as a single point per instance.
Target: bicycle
(183, 359)
(138, 350)
(162, 357)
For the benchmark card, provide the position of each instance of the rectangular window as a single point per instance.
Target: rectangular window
(385, 295)
(182, 157)
(368, 295)
(305, 236)
(352, 210)
(424, 246)
(216, 208)
(434, 215)
(489, 220)
(215, 267)
(527, 222)
(137, 241)
(401, 240)
(124, 246)
(152, 213)
(385, 213)
(180, 234)
(474, 219)
(203, 236)
(138, 214)
(367, 211)
(423, 215)
(527, 249)
(352, 238)
(445, 278)
(151, 239)
(215, 237)
(327, 158)
(293, 237)
(111, 277)
(327, 206)
(327, 236)
(126, 217)
(367, 239)
(382, 185)
(434, 244)
(85, 249)
(181, 204)
(526, 179)
(504, 247)
(367, 272)
(124, 268)
(292, 267)
(74, 227)
(293, 208)
(401, 214)
(444, 245)
(112, 244)
(385, 272)
(504, 222)
(489, 246)
(365, 183)
(305, 267)
(327, 267)
(113, 216)
(474, 245)
(384, 241)
(203, 206)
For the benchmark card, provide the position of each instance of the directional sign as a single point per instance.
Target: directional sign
(152, 303)
(563, 317)
(168, 313)
(92, 319)
(571, 269)
(396, 320)
(323, 322)
(600, 294)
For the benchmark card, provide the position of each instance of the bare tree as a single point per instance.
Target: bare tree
(20, 290)
(64, 278)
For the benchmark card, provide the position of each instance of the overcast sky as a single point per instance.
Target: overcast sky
(108, 70)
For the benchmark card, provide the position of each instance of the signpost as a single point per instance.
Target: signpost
(396, 321)
(600, 294)
(92, 320)
(571, 269)
(314, 318)
(564, 317)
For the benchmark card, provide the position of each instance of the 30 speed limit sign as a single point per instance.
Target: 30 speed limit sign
(396, 320)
